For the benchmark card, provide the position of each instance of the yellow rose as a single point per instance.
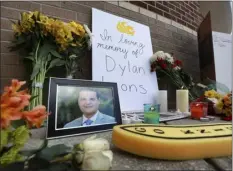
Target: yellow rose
(220, 105)
(77, 28)
(209, 94)
(16, 28)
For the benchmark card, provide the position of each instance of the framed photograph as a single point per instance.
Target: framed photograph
(81, 107)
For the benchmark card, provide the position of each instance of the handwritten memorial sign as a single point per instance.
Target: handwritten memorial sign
(120, 53)
(222, 43)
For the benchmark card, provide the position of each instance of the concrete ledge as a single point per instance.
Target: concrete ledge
(126, 161)
(148, 13)
(129, 6)
(164, 19)
(221, 164)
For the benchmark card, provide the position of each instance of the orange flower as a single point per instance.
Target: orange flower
(13, 102)
(36, 116)
(227, 101)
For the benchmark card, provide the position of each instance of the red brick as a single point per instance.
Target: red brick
(191, 26)
(162, 7)
(11, 71)
(193, 6)
(170, 16)
(188, 7)
(150, 2)
(175, 13)
(196, 24)
(10, 13)
(168, 4)
(95, 4)
(189, 16)
(139, 3)
(4, 82)
(139, 17)
(196, 3)
(6, 23)
(156, 10)
(181, 2)
(58, 12)
(180, 11)
(181, 21)
(7, 35)
(5, 47)
(175, 3)
(22, 5)
(158, 2)
(116, 10)
(11, 59)
(194, 14)
(52, 3)
(76, 7)
(84, 18)
(186, 19)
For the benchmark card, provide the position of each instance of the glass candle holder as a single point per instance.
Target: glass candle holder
(198, 109)
(151, 113)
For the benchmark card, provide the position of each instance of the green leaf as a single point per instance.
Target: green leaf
(30, 58)
(33, 97)
(10, 156)
(20, 135)
(35, 151)
(4, 138)
(17, 123)
(51, 152)
(56, 54)
(36, 70)
(56, 62)
(44, 50)
(49, 57)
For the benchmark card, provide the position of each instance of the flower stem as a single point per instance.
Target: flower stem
(37, 90)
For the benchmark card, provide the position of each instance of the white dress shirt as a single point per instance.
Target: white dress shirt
(93, 118)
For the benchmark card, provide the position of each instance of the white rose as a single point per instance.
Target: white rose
(95, 144)
(160, 54)
(177, 68)
(96, 161)
(169, 58)
(155, 56)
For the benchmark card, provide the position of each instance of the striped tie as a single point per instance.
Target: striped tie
(88, 122)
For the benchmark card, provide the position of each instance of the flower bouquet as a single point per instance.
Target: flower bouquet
(16, 121)
(49, 43)
(165, 65)
(224, 105)
(219, 104)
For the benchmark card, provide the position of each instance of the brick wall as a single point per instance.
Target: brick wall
(166, 34)
(184, 12)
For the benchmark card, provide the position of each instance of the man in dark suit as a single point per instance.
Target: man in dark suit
(88, 101)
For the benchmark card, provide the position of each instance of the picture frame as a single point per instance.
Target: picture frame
(73, 102)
